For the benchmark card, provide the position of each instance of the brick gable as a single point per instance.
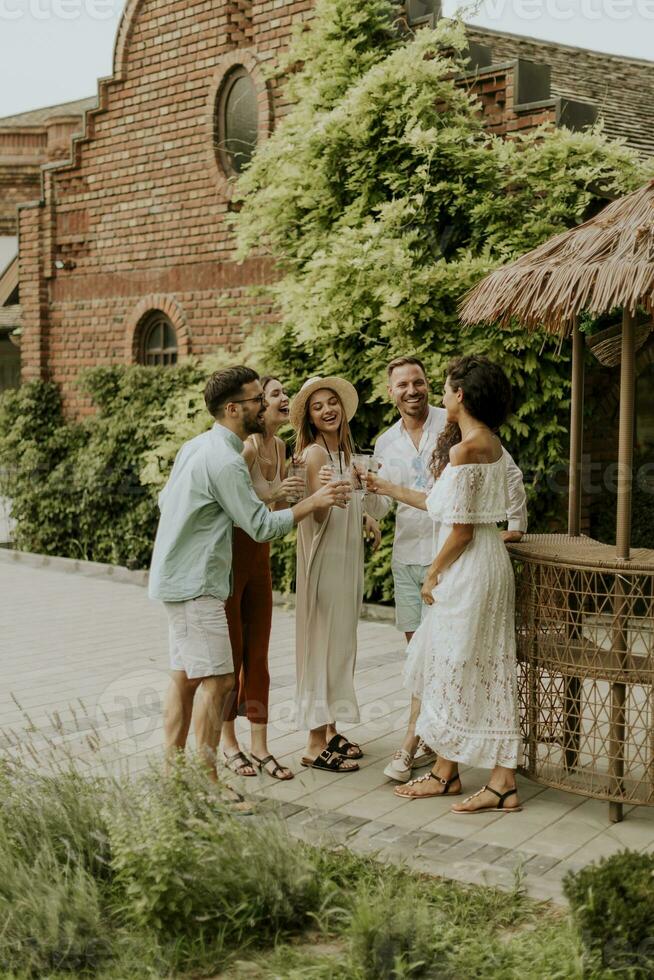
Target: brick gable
(141, 210)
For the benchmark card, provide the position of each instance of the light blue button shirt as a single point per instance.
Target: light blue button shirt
(209, 490)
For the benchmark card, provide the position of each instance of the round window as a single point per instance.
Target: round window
(237, 122)
(159, 345)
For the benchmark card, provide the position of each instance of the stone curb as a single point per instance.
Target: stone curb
(449, 858)
(128, 576)
(75, 566)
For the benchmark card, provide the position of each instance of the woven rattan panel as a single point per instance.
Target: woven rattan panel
(579, 551)
(585, 636)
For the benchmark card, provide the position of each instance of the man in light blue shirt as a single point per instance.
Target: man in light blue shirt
(210, 490)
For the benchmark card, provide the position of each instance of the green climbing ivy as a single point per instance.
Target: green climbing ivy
(383, 200)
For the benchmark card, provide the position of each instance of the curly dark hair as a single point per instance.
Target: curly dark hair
(486, 388)
(450, 436)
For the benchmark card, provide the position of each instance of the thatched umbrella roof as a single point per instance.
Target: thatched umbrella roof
(605, 263)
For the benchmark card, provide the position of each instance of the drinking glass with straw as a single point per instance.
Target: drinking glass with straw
(297, 468)
(339, 471)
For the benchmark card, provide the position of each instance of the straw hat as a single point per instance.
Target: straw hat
(345, 391)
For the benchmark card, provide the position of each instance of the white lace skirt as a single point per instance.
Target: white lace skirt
(461, 661)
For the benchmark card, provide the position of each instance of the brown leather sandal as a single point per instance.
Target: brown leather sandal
(277, 772)
(238, 762)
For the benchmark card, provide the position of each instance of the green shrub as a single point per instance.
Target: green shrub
(75, 488)
(613, 906)
(184, 869)
(118, 515)
(37, 449)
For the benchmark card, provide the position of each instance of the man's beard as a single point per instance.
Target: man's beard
(253, 425)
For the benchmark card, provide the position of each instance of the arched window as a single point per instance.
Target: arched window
(236, 122)
(423, 12)
(158, 340)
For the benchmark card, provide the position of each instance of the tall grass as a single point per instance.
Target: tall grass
(183, 867)
(53, 866)
(85, 863)
(151, 877)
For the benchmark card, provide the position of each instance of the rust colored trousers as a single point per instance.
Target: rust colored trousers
(249, 616)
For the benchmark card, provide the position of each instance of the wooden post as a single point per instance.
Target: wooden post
(572, 685)
(626, 437)
(576, 431)
(623, 543)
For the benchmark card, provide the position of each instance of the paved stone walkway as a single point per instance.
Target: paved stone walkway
(84, 664)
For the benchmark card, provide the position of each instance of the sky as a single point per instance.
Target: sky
(54, 51)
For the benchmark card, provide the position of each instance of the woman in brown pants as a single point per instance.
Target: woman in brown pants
(249, 608)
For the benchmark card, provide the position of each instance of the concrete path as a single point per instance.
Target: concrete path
(84, 668)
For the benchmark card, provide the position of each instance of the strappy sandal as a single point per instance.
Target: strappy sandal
(233, 802)
(262, 766)
(238, 762)
(444, 789)
(330, 762)
(340, 744)
(499, 808)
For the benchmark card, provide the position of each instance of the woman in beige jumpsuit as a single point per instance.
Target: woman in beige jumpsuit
(330, 556)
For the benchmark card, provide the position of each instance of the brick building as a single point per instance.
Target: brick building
(124, 251)
(27, 141)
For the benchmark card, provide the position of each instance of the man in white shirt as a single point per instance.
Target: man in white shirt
(405, 452)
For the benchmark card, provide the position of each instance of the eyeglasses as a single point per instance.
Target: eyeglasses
(257, 398)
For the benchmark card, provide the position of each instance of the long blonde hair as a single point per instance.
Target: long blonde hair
(306, 433)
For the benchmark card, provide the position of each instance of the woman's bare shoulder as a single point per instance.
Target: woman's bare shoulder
(280, 448)
(462, 453)
(479, 450)
(316, 454)
(249, 451)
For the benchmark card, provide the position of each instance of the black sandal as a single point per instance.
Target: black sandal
(499, 808)
(237, 762)
(330, 762)
(340, 744)
(262, 763)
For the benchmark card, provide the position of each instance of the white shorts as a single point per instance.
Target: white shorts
(199, 637)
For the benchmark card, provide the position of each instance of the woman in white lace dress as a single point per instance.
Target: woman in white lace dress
(461, 662)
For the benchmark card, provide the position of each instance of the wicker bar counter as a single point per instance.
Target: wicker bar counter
(585, 639)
